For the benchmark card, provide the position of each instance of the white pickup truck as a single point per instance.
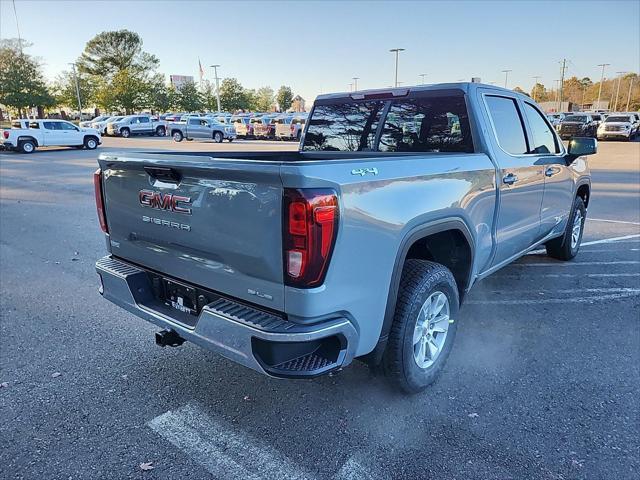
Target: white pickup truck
(26, 135)
(137, 125)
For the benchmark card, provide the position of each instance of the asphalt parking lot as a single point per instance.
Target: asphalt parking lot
(543, 381)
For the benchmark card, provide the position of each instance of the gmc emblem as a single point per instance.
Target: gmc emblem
(165, 201)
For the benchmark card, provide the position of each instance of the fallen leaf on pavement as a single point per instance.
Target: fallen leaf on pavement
(146, 466)
(4, 385)
(473, 415)
(55, 374)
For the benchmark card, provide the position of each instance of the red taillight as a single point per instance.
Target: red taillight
(311, 224)
(97, 185)
(5, 134)
(293, 128)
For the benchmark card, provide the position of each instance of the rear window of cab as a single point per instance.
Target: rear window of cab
(438, 123)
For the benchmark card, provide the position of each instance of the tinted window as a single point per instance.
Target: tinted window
(618, 119)
(49, 125)
(576, 118)
(508, 124)
(543, 141)
(194, 121)
(437, 124)
(34, 125)
(344, 127)
(143, 120)
(66, 126)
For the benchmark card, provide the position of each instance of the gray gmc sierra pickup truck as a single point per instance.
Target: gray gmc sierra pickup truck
(363, 244)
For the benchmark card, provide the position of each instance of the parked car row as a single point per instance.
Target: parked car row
(596, 124)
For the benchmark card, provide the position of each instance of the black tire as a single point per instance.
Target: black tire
(230, 140)
(27, 146)
(177, 136)
(420, 281)
(161, 131)
(90, 143)
(218, 137)
(125, 132)
(563, 248)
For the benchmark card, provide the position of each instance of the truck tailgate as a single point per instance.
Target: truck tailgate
(216, 223)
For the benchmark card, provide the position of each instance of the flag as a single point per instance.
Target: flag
(201, 70)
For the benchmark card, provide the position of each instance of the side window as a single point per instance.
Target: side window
(143, 120)
(343, 127)
(49, 125)
(436, 124)
(194, 121)
(508, 124)
(204, 123)
(34, 125)
(66, 126)
(543, 141)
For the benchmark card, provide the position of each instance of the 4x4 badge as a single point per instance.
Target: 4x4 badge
(363, 171)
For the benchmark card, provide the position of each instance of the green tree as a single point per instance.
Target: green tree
(539, 93)
(66, 94)
(284, 98)
(209, 98)
(129, 92)
(108, 53)
(233, 96)
(264, 99)
(21, 83)
(160, 97)
(189, 98)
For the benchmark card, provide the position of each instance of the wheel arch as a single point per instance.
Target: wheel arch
(584, 191)
(421, 243)
(23, 138)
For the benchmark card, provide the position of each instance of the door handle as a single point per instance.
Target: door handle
(510, 179)
(550, 171)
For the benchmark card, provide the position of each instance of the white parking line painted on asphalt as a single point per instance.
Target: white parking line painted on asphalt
(575, 264)
(593, 242)
(612, 221)
(610, 240)
(571, 275)
(353, 470)
(222, 451)
(601, 294)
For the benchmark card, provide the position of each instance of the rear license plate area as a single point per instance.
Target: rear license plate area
(180, 297)
(180, 301)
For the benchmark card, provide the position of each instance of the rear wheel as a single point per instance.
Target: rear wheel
(27, 146)
(177, 136)
(218, 137)
(566, 247)
(125, 132)
(423, 328)
(161, 131)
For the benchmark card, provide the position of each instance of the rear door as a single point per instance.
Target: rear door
(521, 178)
(211, 222)
(51, 134)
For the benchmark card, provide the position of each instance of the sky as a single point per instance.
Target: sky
(319, 46)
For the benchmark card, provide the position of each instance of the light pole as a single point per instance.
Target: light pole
(215, 73)
(397, 52)
(629, 96)
(603, 65)
(506, 76)
(535, 86)
(557, 95)
(422, 75)
(351, 87)
(355, 83)
(615, 108)
(75, 77)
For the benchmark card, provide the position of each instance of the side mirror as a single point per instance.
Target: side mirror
(579, 146)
